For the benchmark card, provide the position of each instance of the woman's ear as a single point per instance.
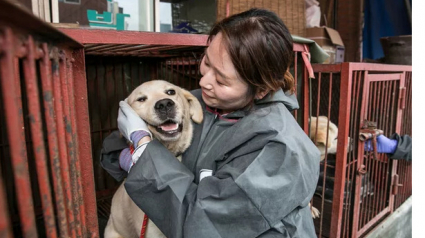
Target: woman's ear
(259, 95)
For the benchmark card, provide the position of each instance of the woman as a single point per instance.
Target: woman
(258, 168)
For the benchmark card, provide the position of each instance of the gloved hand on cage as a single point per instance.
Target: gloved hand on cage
(133, 128)
(384, 145)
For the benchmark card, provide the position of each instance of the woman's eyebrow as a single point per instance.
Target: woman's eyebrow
(215, 68)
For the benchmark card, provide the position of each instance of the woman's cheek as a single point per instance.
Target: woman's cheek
(202, 69)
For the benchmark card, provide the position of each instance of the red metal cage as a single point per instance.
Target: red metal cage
(60, 100)
(46, 183)
(358, 189)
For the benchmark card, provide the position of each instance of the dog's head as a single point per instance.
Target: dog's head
(168, 110)
(326, 136)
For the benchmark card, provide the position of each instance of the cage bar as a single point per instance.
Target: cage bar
(16, 136)
(52, 139)
(5, 228)
(63, 150)
(32, 93)
(71, 147)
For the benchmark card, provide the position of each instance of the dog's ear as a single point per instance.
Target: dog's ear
(195, 109)
(131, 98)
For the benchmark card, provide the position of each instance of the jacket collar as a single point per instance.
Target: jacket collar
(289, 100)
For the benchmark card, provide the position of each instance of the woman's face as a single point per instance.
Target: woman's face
(221, 85)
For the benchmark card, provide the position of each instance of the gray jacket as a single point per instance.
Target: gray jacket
(265, 171)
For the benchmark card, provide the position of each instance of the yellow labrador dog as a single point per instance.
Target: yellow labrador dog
(169, 111)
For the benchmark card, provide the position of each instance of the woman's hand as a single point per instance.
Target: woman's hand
(131, 126)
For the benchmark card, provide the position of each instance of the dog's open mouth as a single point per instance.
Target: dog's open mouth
(170, 128)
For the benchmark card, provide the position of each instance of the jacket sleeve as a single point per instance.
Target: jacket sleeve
(110, 153)
(235, 201)
(404, 147)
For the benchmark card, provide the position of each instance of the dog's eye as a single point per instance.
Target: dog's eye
(170, 92)
(141, 99)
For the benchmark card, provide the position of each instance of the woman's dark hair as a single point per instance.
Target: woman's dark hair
(260, 47)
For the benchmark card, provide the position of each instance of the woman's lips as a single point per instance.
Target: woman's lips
(205, 95)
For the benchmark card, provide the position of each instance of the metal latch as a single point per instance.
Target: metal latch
(362, 170)
(369, 131)
(395, 185)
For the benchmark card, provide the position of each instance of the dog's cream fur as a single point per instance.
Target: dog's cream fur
(325, 139)
(126, 217)
(324, 136)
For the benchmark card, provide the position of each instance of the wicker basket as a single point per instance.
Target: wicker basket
(292, 12)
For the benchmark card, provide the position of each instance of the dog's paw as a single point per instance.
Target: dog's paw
(314, 212)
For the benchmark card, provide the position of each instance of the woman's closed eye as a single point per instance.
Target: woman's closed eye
(220, 83)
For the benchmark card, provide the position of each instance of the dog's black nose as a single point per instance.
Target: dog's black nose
(164, 105)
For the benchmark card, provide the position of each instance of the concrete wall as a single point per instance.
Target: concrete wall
(397, 225)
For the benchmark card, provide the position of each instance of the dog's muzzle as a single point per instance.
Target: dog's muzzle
(165, 109)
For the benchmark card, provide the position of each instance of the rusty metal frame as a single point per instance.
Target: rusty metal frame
(49, 68)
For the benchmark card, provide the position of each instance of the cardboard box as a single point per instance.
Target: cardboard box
(331, 42)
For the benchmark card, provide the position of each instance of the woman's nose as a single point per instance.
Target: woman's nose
(205, 81)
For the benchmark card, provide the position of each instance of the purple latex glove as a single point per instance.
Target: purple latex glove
(384, 145)
(126, 162)
(138, 135)
(126, 158)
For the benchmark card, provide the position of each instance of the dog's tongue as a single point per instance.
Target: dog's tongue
(169, 126)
